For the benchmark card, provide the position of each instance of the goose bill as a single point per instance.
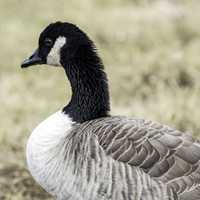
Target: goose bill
(32, 60)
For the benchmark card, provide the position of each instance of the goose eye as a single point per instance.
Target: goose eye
(48, 42)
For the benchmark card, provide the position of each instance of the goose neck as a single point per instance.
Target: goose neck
(90, 95)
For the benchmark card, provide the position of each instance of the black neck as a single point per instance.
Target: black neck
(90, 96)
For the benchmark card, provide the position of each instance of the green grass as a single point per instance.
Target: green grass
(151, 51)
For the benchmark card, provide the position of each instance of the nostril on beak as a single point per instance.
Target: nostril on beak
(31, 56)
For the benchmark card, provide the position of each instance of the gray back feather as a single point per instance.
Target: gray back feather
(137, 158)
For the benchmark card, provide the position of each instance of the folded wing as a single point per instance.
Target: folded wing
(164, 153)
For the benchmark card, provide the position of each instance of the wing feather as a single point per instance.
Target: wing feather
(164, 153)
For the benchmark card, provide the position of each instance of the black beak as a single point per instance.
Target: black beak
(33, 60)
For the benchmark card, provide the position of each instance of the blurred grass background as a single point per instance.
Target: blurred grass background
(151, 50)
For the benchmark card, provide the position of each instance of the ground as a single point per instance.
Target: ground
(151, 52)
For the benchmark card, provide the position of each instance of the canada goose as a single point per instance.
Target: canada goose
(83, 153)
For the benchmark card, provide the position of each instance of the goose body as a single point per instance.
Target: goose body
(83, 153)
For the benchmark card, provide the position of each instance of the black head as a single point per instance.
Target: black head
(59, 41)
(64, 44)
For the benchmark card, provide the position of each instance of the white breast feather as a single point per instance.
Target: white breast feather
(43, 149)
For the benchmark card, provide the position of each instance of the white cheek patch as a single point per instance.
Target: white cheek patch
(53, 58)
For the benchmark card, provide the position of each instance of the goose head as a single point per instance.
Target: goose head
(59, 43)
(64, 44)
